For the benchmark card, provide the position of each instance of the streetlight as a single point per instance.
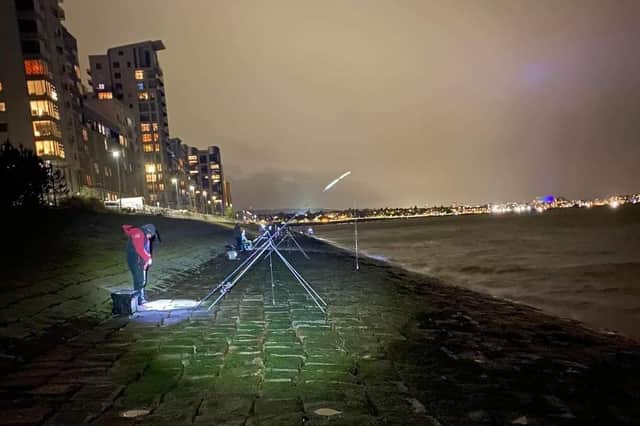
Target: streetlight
(175, 182)
(116, 155)
(191, 197)
(204, 195)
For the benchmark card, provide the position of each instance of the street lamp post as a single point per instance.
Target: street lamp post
(191, 197)
(204, 201)
(116, 155)
(175, 182)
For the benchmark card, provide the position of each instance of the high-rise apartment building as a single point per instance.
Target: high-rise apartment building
(40, 94)
(132, 74)
(110, 156)
(179, 171)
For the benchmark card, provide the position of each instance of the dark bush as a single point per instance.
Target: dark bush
(24, 177)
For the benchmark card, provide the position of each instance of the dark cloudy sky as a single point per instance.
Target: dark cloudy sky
(425, 101)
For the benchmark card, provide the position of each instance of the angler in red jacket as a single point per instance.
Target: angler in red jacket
(139, 249)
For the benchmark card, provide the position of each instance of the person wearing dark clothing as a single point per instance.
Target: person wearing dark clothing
(139, 250)
(237, 236)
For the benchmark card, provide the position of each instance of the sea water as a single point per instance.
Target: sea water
(582, 264)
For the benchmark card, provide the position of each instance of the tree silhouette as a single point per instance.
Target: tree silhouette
(57, 186)
(23, 176)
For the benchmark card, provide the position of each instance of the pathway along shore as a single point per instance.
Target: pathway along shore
(394, 348)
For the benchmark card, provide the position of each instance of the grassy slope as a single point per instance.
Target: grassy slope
(58, 267)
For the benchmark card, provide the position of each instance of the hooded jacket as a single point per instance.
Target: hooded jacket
(139, 241)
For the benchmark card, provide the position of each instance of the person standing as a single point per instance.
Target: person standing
(139, 249)
(237, 236)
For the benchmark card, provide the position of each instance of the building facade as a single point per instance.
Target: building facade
(111, 158)
(132, 74)
(40, 94)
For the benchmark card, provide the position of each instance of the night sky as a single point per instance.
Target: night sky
(426, 102)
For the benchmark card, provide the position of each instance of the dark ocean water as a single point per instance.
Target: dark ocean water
(582, 264)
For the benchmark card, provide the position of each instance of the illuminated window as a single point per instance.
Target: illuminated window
(35, 67)
(41, 108)
(159, 167)
(123, 141)
(85, 135)
(46, 128)
(100, 86)
(146, 137)
(155, 126)
(0, 86)
(157, 147)
(42, 87)
(161, 186)
(149, 168)
(147, 147)
(155, 137)
(3, 106)
(145, 127)
(143, 96)
(105, 95)
(150, 178)
(49, 148)
(139, 74)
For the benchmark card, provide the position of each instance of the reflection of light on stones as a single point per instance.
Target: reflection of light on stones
(134, 413)
(327, 412)
(168, 305)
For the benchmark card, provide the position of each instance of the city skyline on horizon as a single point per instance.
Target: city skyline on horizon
(531, 100)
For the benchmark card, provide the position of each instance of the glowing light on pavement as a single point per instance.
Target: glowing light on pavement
(168, 305)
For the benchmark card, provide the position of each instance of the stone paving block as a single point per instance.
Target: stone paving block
(238, 383)
(24, 416)
(284, 362)
(279, 390)
(376, 371)
(273, 374)
(268, 409)
(68, 417)
(224, 409)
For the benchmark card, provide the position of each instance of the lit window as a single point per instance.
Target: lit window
(49, 148)
(145, 127)
(140, 86)
(159, 167)
(157, 147)
(161, 186)
(155, 137)
(150, 178)
(155, 127)
(35, 67)
(42, 87)
(143, 96)
(100, 86)
(139, 74)
(41, 108)
(0, 86)
(46, 128)
(147, 147)
(3, 106)
(149, 168)
(85, 135)
(105, 95)
(146, 137)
